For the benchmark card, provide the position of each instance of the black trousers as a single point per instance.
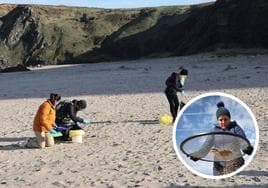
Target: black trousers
(65, 132)
(173, 103)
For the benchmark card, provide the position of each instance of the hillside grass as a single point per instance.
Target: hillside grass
(71, 31)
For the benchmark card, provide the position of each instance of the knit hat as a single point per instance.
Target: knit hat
(222, 110)
(82, 104)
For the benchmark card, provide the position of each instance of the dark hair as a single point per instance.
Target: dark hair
(54, 96)
(82, 104)
(184, 72)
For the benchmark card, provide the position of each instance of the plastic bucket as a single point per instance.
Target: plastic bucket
(77, 139)
(76, 135)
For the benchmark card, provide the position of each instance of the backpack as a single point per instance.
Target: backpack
(61, 115)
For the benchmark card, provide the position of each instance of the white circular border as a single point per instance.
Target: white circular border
(207, 95)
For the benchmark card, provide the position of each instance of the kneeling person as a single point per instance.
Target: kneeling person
(67, 119)
(44, 121)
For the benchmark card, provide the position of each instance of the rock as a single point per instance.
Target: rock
(18, 68)
(20, 27)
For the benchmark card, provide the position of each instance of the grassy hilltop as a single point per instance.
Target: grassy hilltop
(35, 34)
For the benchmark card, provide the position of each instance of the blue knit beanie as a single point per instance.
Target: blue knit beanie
(222, 110)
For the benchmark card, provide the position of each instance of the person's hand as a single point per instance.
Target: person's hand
(52, 131)
(182, 93)
(248, 150)
(193, 158)
(86, 121)
(182, 82)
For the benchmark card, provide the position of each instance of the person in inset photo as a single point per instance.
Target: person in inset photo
(224, 124)
(215, 135)
(174, 84)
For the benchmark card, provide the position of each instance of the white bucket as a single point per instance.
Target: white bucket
(76, 135)
(77, 139)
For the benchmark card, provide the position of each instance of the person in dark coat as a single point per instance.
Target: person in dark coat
(175, 84)
(66, 117)
(224, 125)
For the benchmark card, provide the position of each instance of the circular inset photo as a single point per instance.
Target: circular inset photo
(215, 135)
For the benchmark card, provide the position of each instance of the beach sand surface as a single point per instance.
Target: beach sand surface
(124, 146)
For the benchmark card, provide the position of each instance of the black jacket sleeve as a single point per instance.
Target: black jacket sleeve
(73, 115)
(174, 82)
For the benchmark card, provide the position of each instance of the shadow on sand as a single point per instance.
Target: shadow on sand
(143, 122)
(14, 146)
(240, 186)
(254, 173)
(12, 139)
(130, 78)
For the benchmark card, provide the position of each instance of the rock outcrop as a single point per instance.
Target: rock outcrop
(18, 68)
(20, 33)
(224, 24)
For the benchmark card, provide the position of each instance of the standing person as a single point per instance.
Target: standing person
(66, 117)
(45, 120)
(175, 83)
(224, 125)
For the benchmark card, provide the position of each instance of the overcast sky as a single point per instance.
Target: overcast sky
(109, 3)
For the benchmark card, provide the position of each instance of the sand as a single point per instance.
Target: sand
(124, 146)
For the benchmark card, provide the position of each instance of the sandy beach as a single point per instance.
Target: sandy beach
(124, 146)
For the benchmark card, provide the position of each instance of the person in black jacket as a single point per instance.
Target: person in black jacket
(66, 116)
(222, 167)
(175, 83)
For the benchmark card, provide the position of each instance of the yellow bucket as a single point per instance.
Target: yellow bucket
(76, 135)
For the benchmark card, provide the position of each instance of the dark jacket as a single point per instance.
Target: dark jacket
(67, 113)
(173, 84)
(224, 167)
(233, 128)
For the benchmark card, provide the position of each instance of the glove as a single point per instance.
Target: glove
(182, 82)
(86, 121)
(182, 92)
(194, 158)
(52, 131)
(59, 128)
(248, 150)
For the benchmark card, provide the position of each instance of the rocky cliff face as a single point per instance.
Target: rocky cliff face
(224, 24)
(19, 33)
(31, 35)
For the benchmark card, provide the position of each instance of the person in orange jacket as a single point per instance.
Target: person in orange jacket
(45, 120)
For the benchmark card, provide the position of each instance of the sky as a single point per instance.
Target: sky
(200, 117)
(109, 3)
